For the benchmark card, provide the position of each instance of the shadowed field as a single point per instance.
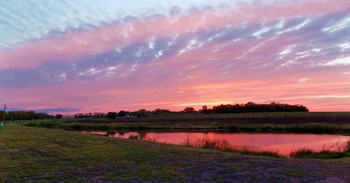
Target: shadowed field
(256, 125)
(49, 155)
(264, 117)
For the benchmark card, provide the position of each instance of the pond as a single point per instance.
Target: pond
(283, 144)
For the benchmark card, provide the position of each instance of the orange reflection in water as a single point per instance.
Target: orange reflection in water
(281, 143)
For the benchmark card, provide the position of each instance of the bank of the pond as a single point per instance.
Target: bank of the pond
(320, 128)
(30, 154)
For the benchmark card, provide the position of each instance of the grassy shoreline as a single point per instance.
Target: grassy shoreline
(223, 145)
(278, 122)
(319, 128)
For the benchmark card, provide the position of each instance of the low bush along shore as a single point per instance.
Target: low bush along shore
(30, 154)
(223, 145)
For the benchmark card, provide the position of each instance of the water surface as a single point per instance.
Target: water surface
(281, 143)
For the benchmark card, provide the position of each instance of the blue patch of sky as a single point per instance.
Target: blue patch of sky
(51, 110)
(57, 110)
(23, 21)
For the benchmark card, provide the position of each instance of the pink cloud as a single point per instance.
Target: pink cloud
(74, 46)
(165, 87)
(196, 77)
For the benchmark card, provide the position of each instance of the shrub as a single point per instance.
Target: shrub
(325, 154)
(134, 137)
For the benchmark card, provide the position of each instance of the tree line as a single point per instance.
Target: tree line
(223, 108)
(253, 107)
(126, 114)
(24, 115)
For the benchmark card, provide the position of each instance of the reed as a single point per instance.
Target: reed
(223, 145)
(134, 137)
(333, 152)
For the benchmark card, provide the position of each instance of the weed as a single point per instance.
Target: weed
(294, 173)
(219, 144)
(236, 167)
(134, 137)
(186, 142)
(151, 139)
(347, 149)
(223, 145)
(324, 154)
(327, 153)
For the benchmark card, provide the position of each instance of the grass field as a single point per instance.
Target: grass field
(200, 125)
(278, 122)
(336, 116)
(30, 154)
(291, 122)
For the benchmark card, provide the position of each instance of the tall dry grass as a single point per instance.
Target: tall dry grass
(224, 145)
(333, 152)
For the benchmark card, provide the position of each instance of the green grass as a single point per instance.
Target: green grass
(294, 173)
(236, 167)
(30, 154)
(46, 154)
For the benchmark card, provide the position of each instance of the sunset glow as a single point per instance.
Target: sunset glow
(87, 56)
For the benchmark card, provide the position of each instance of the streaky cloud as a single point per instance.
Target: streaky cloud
(94, 56)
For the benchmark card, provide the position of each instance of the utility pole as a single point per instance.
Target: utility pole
(3, 118)
(3, 114)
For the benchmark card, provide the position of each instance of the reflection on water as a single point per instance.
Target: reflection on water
(281, 143)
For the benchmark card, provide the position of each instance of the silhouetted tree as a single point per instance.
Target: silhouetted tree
(24, 115)
(111, 115)
(122, 114)
(141, 113)
(253, 107)
(99, 115)
(189, 110)
(205, 110)
(58, 116)
(161, 111)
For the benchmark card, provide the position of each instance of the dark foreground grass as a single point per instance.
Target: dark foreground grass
(50, 155)
(310, 154)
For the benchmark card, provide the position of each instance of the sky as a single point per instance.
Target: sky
(73, 56)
